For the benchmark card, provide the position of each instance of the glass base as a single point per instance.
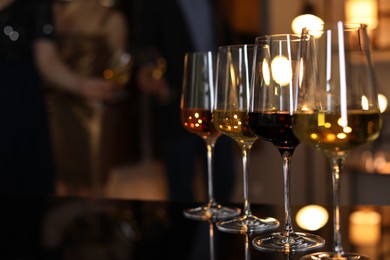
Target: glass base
(214, 213)
(335, 256)
(248, 225)
(295, 242)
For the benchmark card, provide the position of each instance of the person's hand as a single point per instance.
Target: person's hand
(98, 89)
(151, 81)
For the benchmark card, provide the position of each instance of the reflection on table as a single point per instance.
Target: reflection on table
(71, 228)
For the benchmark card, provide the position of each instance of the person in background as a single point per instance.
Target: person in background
(168, 30)
(28, 55)
(92, 36)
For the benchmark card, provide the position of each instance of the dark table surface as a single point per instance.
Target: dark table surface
(73, 228)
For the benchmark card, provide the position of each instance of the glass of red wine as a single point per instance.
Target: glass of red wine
(196, 115)
(276, 71)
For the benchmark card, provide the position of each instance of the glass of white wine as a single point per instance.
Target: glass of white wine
(196, 115)
(337, 106)
(234, 69)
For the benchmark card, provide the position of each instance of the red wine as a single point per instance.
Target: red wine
(275, 127)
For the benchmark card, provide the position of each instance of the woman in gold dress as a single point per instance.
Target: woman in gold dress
(92, 39)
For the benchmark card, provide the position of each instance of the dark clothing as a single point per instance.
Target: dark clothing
(25, 150)
(180, 156)
(162, 27)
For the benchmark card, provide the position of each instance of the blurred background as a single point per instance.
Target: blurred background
(139, 173)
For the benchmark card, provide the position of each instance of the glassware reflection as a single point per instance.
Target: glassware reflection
(247, 251)
(212, 245)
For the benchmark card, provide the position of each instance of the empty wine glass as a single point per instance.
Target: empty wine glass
(276, 71)
(337, 106)
(234, 66)
(196, 114)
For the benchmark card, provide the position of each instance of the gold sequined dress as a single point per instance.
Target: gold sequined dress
(81, 128)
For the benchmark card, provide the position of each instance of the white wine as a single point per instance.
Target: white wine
(328, 133)
(234, 123)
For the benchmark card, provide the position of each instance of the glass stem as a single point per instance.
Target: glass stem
(337, 165)
(247, 250)
(210, 164)
(286, 156)
(212, 250)
(245, 158)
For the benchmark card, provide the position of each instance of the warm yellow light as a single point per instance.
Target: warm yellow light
(266, 73)
(327, 125)
(321, 119)
(382, 102)
(330, 137)
(312, 217)
(301, 71)
(365, 227)
(362, 11)
(343, 122)
(341, 136)
(308, 21)
(365, 104)
(347, 129)
(281, 70)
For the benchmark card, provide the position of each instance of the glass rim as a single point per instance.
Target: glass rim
(197, 53)
(348, 26)
(236, 46)
(280, 37)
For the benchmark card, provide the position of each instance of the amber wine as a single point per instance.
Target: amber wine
(328, 133)
(234, 123)
(200, 122)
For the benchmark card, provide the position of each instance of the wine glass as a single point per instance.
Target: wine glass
(196, 115)
(212, 241)
(119, 72)
(337, 106)
(275, 73)
(230, 113)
